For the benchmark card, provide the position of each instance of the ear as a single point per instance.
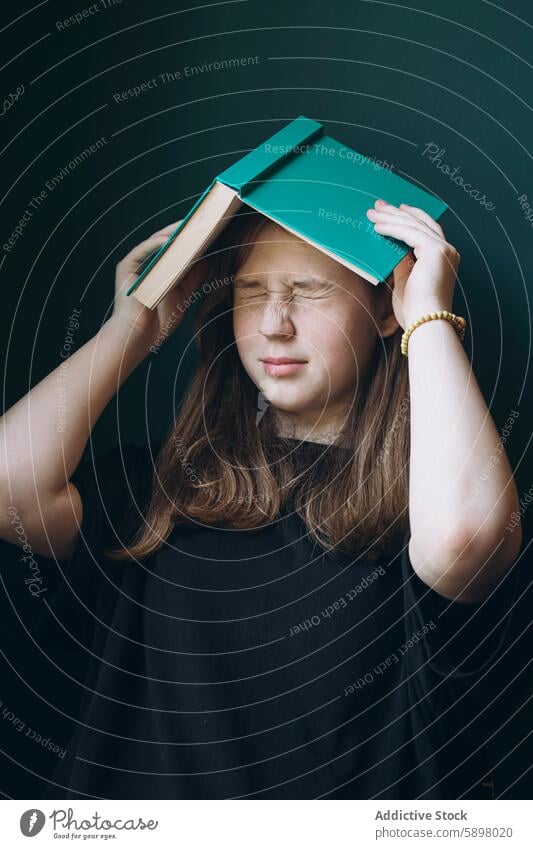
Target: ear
(386, 320)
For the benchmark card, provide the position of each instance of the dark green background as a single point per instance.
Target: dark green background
(385, 79)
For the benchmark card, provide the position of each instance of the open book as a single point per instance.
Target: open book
(310, 184)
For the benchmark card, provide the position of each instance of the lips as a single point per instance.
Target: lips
(282, 366)
(281, 360)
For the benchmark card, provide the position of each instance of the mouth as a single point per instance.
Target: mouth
(282, 366)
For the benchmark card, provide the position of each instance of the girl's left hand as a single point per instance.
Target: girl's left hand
(426, 285)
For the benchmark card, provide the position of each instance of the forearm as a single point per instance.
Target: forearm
(42, 437)
(461, 482)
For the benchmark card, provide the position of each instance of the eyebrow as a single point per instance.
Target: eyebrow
(305, 281)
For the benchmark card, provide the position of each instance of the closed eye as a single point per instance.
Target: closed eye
(304, 286)
(249, 291)
(248, 287)
(311, 291)
(312, 288)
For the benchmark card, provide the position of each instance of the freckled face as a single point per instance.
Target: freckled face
(292, 301)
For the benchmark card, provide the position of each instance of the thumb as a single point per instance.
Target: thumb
(403, 269)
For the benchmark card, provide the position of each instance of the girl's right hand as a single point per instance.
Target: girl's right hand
(163, 319)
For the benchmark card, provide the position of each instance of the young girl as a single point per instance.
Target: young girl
(303, 591)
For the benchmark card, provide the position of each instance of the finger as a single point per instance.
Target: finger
(410, 212)
(385, 217)
(412, 235)
(396, 212)
(423, 216)
(141, 251)
(169, 229)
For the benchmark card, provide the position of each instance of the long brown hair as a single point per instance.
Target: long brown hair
(224, 464)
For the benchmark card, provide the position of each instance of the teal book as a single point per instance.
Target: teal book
(307, 182)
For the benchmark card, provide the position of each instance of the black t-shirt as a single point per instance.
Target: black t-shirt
(232, 664)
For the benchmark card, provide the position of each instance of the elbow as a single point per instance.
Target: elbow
(495, 545)
(466, 564)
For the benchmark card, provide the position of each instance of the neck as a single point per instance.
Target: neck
(325, 431)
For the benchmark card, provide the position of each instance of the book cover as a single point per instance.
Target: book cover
(309, 183)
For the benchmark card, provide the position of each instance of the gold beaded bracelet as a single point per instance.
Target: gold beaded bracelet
(458, 322)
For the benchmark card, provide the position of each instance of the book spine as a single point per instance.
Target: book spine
(265, 158)
(169, 241)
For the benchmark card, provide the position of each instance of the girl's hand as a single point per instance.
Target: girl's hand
(169, 313)
(426, 285)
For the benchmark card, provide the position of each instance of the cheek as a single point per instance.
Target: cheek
(244, 326)
(333, 360)
(246, 337)
(342, 343)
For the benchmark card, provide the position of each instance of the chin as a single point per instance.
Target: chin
(287, 398)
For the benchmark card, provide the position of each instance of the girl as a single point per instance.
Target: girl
(310, 595)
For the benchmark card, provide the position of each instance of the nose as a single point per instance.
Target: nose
(275, 319)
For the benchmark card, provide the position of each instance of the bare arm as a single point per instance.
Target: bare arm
(462, 493)
(39, 451)
(461, 482)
